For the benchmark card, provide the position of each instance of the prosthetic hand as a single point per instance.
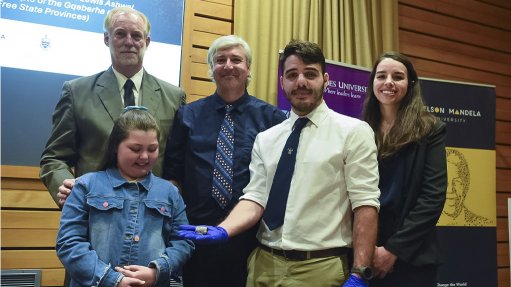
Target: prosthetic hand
(354, 281)
(203, 234)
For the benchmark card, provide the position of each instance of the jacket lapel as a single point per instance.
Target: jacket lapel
(106, 89)
(151, 93)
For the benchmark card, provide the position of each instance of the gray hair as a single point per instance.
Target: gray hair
(226, 42)
(112, 15)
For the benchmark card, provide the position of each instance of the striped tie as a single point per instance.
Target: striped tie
(223, 172)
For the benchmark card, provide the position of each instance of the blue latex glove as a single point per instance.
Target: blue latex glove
(354, 281)
(214, 234)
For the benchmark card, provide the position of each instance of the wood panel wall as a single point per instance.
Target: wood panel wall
(30, 221)
(205, 20)
(468, 41)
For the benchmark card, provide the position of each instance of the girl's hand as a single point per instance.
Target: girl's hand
(130, 282)
(146, 276)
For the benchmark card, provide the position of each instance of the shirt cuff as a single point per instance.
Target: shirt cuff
(118, 279)
(163, 269)
(110, 278)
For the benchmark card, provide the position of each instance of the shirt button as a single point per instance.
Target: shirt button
(162, 209)
(137, 238)
(105, 204)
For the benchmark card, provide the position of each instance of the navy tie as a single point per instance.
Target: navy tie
(129, 98)
(277, 200)
(223, 171)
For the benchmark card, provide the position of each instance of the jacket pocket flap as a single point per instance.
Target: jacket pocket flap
(105, 203)
(164, 208)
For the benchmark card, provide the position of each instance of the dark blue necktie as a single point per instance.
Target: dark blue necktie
(277, 200)
(129, 97)
(223, 169)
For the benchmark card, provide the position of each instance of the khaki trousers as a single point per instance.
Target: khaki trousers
(267, 270)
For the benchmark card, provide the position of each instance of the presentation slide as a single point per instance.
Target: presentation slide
(46, 42)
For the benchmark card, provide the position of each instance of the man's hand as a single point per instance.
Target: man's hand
(65, 190)
(144, 276)
(355, 281)
(203, 234)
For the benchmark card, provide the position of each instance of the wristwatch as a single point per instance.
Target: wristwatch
(365, 272)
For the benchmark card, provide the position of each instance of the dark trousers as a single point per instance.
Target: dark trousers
(220, 265)
(67, 279)
(405, 275)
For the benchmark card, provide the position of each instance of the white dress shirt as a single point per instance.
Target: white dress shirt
(336, 171)
(137, 88)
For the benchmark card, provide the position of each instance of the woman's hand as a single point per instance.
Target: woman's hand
(383, 262)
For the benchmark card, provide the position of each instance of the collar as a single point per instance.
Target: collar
(117, 180)
(239, 105)
(315, 117)
(121, 79)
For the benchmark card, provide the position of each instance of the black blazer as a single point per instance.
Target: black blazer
(425, 184)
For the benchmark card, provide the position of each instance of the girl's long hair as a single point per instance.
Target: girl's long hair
(132, 119)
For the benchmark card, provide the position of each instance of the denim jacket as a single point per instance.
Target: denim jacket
(108, 221)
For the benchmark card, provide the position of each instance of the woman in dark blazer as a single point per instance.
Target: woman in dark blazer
(413, 175)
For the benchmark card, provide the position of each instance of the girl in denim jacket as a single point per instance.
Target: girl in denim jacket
(119, 226)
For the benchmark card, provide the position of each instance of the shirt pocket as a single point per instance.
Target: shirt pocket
(105, 218)
(158, 220)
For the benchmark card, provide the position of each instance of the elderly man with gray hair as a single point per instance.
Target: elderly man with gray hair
(208, 154)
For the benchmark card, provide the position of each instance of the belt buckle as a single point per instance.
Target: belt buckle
(296, 256)
(306, 255)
